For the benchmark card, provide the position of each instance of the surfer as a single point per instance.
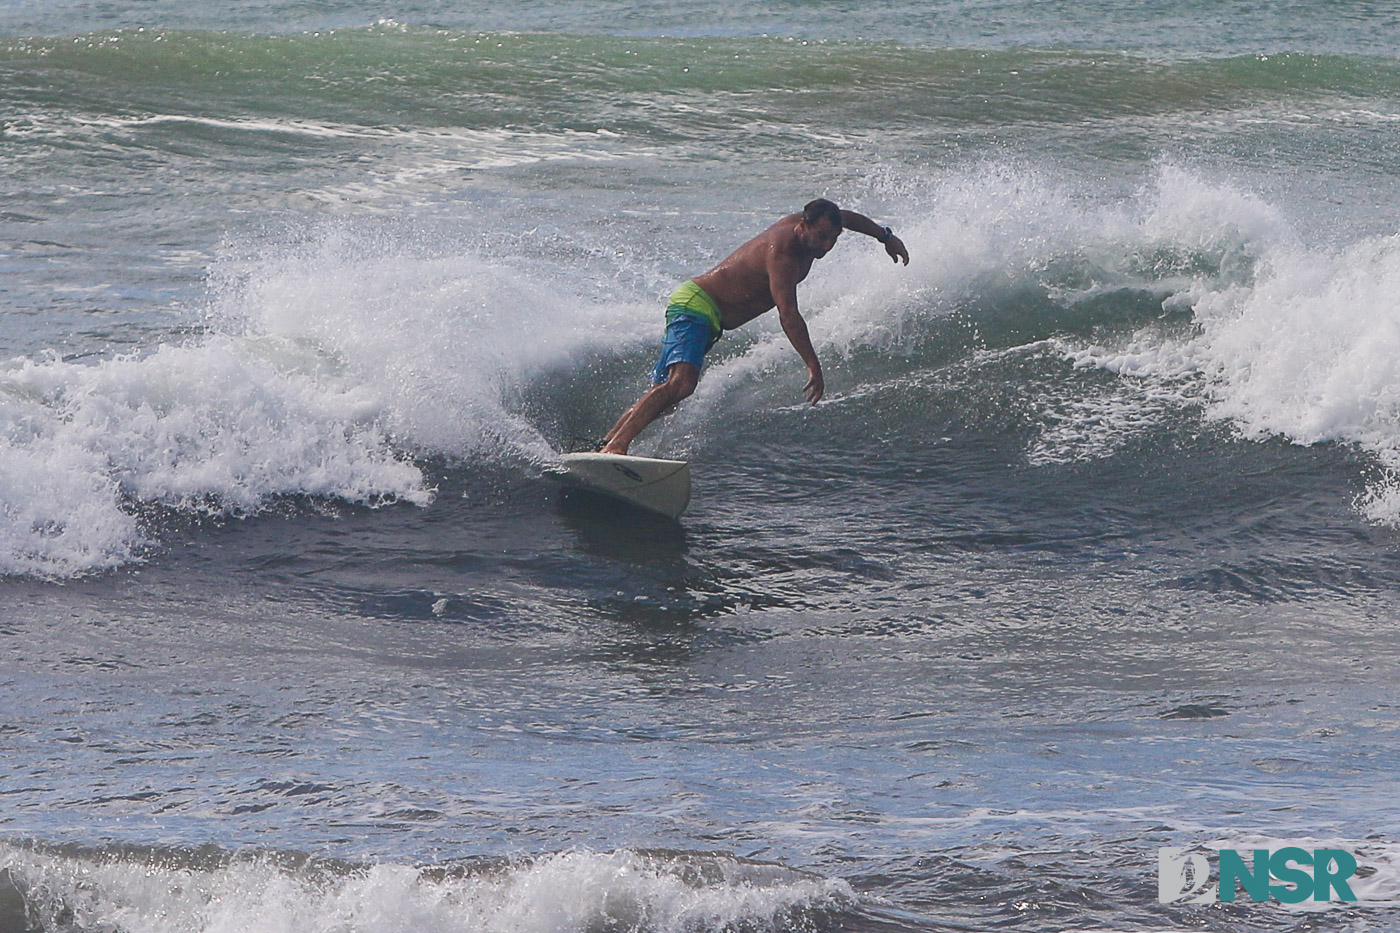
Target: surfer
(758, 276)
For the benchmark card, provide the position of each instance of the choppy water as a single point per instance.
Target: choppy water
(1090, 550)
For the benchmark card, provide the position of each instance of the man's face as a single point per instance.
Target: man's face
(818, 238)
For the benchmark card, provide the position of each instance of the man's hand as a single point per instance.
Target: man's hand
(815, 386)
(895, 247)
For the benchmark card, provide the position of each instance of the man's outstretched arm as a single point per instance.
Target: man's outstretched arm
(782, 282)
(862, 224)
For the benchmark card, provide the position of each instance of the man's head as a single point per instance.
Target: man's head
(819, 227)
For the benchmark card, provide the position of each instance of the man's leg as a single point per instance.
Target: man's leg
(659, 399)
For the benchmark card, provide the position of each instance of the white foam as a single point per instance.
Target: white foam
(290, 127)
(60, 512)
(573, 891)
(1082, 428)
(214, 427)
(1289, 341)
(1311, 351)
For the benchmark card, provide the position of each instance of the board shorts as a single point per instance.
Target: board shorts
(692, 327)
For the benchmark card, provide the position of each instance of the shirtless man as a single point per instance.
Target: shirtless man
(758, 276)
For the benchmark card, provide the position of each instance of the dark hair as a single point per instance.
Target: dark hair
(821, 209)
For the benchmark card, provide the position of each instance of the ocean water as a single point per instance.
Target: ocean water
(1092, 548)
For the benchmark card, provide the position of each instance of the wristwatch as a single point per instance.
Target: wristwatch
(885, 234)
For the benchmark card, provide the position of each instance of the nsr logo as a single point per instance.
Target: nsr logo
(1182, 876)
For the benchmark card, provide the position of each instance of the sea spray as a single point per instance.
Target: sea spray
(447, 339)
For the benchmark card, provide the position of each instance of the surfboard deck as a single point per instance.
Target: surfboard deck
(661, 486)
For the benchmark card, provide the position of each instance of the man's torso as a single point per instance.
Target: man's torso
(740, 284)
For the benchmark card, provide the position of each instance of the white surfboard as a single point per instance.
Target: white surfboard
(657, 485)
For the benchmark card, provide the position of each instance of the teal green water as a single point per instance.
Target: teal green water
(1203, 27)
(108, 132)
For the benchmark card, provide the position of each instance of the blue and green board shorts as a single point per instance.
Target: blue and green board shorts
(692, 327)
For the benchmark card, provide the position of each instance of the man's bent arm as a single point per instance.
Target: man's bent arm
(862, 224)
